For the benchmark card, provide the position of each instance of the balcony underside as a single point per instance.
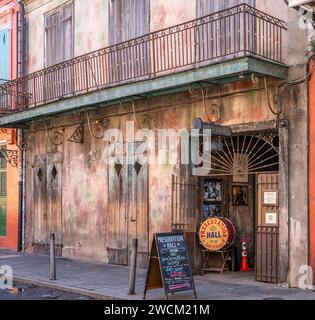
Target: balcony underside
(220, 73)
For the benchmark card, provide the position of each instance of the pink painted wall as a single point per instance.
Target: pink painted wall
(8, 19)
(165, 13)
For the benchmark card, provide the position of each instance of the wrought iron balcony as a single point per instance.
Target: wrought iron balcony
(230, 34)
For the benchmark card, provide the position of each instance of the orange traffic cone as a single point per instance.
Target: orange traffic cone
(244, 263)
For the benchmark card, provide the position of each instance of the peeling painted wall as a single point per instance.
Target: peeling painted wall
(165, 13)
(292, 54)
(295, 104)
(90, 176)
(312, 170)
(84, 173)
(90, 33)
(91, 26)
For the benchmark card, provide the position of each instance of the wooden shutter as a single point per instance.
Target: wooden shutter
(205, 7)
(128, 19)
(4, 55)
(222, 38)
(3, 194)
(66, 32)
(52, 51)
(59, 48)
(59, 36)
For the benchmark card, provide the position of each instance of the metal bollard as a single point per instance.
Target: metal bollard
(52, 258)
(133, 267)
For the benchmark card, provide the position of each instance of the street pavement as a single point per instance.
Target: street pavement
(22, 291)
(103, 281)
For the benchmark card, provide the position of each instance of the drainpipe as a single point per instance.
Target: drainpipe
(21, 184)
(21, 72)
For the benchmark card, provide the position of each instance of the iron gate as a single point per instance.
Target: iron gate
(186, 211)
(267, 231)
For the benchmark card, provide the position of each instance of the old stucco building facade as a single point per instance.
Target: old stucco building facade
(96, 209)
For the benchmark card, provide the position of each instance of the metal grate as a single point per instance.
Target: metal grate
(267, 255)
(245, 154)
(185, 203)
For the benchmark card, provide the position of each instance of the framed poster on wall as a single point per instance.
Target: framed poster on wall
(239, 196)
(270, 219)
(270, 198)
(212, 198)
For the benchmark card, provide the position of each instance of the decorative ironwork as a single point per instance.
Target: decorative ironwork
(245, 154)
(24, 144)
(11, 156)
(78, 135)
(270, 136)
(213, 112)
(98, 125)
(57, 136)
(230, 33)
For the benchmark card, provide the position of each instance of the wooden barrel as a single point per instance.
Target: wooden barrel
(217, 234)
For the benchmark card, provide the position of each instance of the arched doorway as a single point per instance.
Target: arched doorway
(242, 185)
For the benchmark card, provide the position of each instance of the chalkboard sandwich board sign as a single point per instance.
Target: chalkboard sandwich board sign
(169, 265)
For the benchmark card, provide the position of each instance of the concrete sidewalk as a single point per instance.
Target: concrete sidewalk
(105, 281)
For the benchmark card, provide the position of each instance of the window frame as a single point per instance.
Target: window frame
(52, 12)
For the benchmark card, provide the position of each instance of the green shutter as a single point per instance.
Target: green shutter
(3, 195)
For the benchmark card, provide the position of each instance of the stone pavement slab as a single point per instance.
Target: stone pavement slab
(104, 281)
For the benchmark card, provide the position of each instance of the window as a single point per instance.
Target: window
(59, 35)
(222, 38)
(3, 193)
(129, 19)
(4, 55)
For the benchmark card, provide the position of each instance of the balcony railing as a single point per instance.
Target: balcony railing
(229, 34)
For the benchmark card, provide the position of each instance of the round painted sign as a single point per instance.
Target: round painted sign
(216, 234)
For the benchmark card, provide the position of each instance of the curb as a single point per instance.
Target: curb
(52, 285)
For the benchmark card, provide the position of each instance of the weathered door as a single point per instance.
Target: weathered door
(54, 200)
(127, 212)
(117, 248)
(39, 205)
(138, 210)
(267, 230)
(47, 212)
